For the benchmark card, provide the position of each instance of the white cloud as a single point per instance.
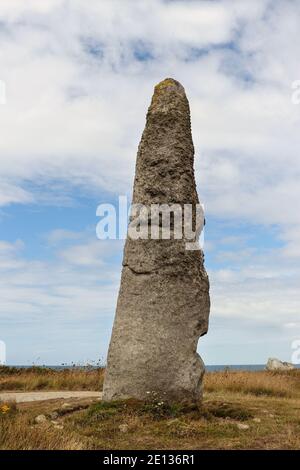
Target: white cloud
(77, 93)
(10, 193)
(8, 255)
(57, 236)
(291, 236)
(69, 287)
(90, 254)
(78, 115)
(262, 292)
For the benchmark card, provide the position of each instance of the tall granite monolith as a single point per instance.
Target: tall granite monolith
(163, 304)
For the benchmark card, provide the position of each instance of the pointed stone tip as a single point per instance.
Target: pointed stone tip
(167, 94)
(168, 84)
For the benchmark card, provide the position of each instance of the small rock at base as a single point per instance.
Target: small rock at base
(40, 419)
(243, 426)
(123, 427)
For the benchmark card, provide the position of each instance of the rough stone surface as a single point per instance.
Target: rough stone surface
(163, 303)
(40, 419)
(276, 364)
(242, 426)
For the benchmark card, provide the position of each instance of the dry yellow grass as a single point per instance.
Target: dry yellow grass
(38, 378)
(21, 434)
(267, 403)
(260, 383)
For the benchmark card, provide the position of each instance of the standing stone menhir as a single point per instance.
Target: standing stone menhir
(163, 305)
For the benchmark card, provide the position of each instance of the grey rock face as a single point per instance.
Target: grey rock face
(163, 303)
(276, 364)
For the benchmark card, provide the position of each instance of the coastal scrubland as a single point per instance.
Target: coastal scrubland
(240, 410)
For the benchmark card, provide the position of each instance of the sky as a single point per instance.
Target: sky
(78, 80)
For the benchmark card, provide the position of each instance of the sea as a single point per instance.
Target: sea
(209, 368)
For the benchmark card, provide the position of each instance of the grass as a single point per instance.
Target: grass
(262, 383)
(267, 403)
(42, 378)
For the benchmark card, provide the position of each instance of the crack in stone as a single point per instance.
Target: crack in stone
(163, 304)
